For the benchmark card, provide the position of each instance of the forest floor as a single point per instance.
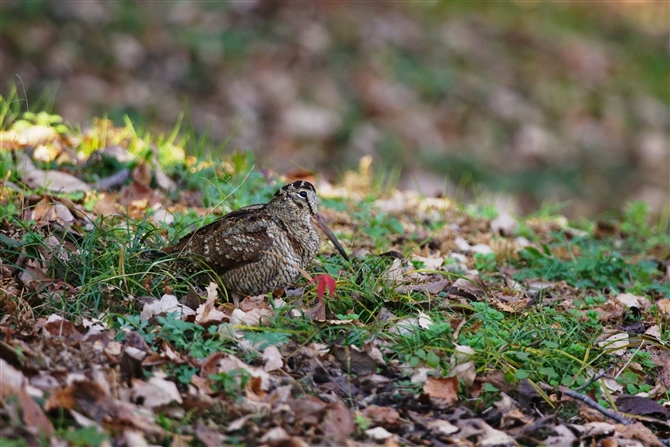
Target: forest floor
(452, 324)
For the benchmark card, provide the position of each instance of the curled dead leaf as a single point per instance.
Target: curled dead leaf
(167, 304)
(207, 313)
(466, 288)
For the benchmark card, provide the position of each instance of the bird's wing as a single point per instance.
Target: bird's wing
(238, 238)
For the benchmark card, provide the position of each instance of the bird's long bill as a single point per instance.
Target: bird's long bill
(321, 223)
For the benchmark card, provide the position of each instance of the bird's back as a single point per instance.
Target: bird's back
(252, 250)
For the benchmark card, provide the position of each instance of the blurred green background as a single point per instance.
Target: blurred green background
(539, 102)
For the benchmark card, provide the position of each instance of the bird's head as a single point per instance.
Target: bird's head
(298, 198)
(298, 201)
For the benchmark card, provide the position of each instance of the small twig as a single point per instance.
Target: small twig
(593, 404)
(594, 379)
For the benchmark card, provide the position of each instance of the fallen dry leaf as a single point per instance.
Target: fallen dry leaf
(420, 374)
(231, 363)
(463, 364)
(38, 134)
(378, 433)
(615, 344)
(511, 415)
(134, 438)
(638, 432)
(255, 317)
(432, 263)
(48, 210)
(83, 421)
(209, 437)
(207, 313)
(33, 415)
(316, 313)
(167, 304)
(564, 437)
(107, 205)
(272, 359)
(308, 410)
(130, 363)
(374, 352)
(55, 181)
(156, 392)
(386, 417)
(57, 326)
(445, 389)
(89, 398)
(162, 179)
(11, 379)
(275, 435)
(629, 300)
(337, 424)
(34, 277)
(641, 406)
(354, 360)
(664, 375)
(162, 215)
(139, 189)
(466, 288)
(429, 288)
(597, 429)
(443, 427)
(664, 306)
(424, 320)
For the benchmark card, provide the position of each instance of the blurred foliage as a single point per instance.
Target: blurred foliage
(551, 102)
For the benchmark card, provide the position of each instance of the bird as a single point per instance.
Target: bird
(258, 248)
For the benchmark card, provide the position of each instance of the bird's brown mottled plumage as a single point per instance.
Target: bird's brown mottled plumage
(256, 249)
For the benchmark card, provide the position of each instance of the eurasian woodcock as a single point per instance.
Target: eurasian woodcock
(258, 248)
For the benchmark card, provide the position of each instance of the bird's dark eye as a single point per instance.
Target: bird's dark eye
(303, 194)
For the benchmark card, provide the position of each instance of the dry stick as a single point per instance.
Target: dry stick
(593, 404)
(595, 378)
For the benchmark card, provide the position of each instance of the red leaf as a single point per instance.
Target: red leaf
(324, 281)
